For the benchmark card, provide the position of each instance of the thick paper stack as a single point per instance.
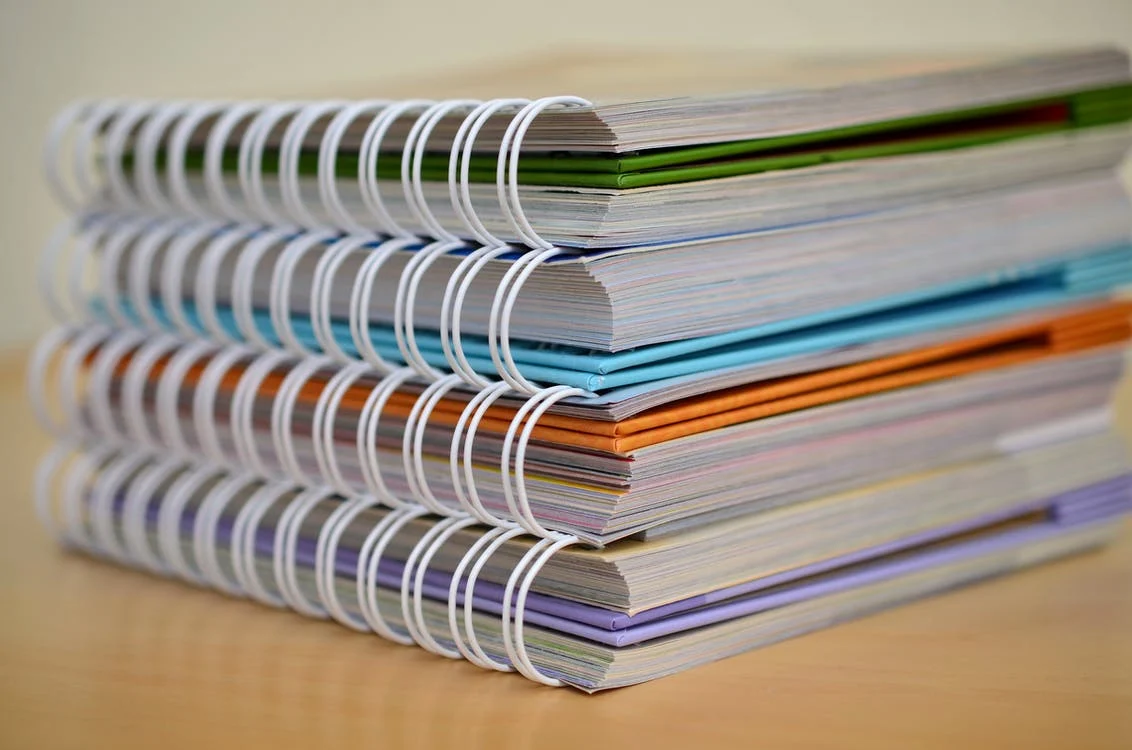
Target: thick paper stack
(596, 391)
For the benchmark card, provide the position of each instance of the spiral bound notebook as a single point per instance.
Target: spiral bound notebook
(595, 392)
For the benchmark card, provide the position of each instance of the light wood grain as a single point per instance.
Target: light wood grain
(93, 656)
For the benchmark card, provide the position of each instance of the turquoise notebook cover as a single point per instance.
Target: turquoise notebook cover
(614, 376)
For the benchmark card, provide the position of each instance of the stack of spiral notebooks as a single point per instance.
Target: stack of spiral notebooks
(595, 391)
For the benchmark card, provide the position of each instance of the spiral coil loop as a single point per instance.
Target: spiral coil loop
(208, 528)
(195, 364)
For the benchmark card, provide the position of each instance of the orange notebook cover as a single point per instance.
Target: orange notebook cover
(1084, 328)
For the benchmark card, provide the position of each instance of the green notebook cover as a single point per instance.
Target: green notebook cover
(930, 132)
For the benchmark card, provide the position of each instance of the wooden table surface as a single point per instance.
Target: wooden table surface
(94, 656)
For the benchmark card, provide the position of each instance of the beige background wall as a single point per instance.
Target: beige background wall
(52, 51)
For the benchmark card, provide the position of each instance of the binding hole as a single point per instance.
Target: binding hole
(369, 562)
(412, 445)
(46, 472)
(285, 552)
(167, 399)
(243, 283)
(323, 423)
(245, 530)
(67, 119)
(322, 294)
(328, 163)
(326, 557)
(214, 151)
(206, 530)
(84, 164)
(141, 271)
(454, 294)
(367, 436)
(177, 158)
(464, 145)
(360, 299)
(467, 492)
(250, 160)
(290, 155)
(412, 583)
(174, 263)
(368, 155)
(517, 501)
(515, 644)
(242, 410)
(282, 279)
(145, 160)
(122, 129)
(103, 500)
(135, 513)
(493, 542)
(171, 517)
(507, 166)
(204, 404)
(405, 302)
(282, 413)
(136, 379)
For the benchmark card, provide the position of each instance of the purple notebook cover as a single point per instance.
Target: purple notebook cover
(1083, 505)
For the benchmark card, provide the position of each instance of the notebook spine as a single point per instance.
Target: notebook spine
(141, 237)
(137, 228)
(138, 241)
(129, 250)
(164, 515)
(139, 267)
(126, 388)
(139, 156)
